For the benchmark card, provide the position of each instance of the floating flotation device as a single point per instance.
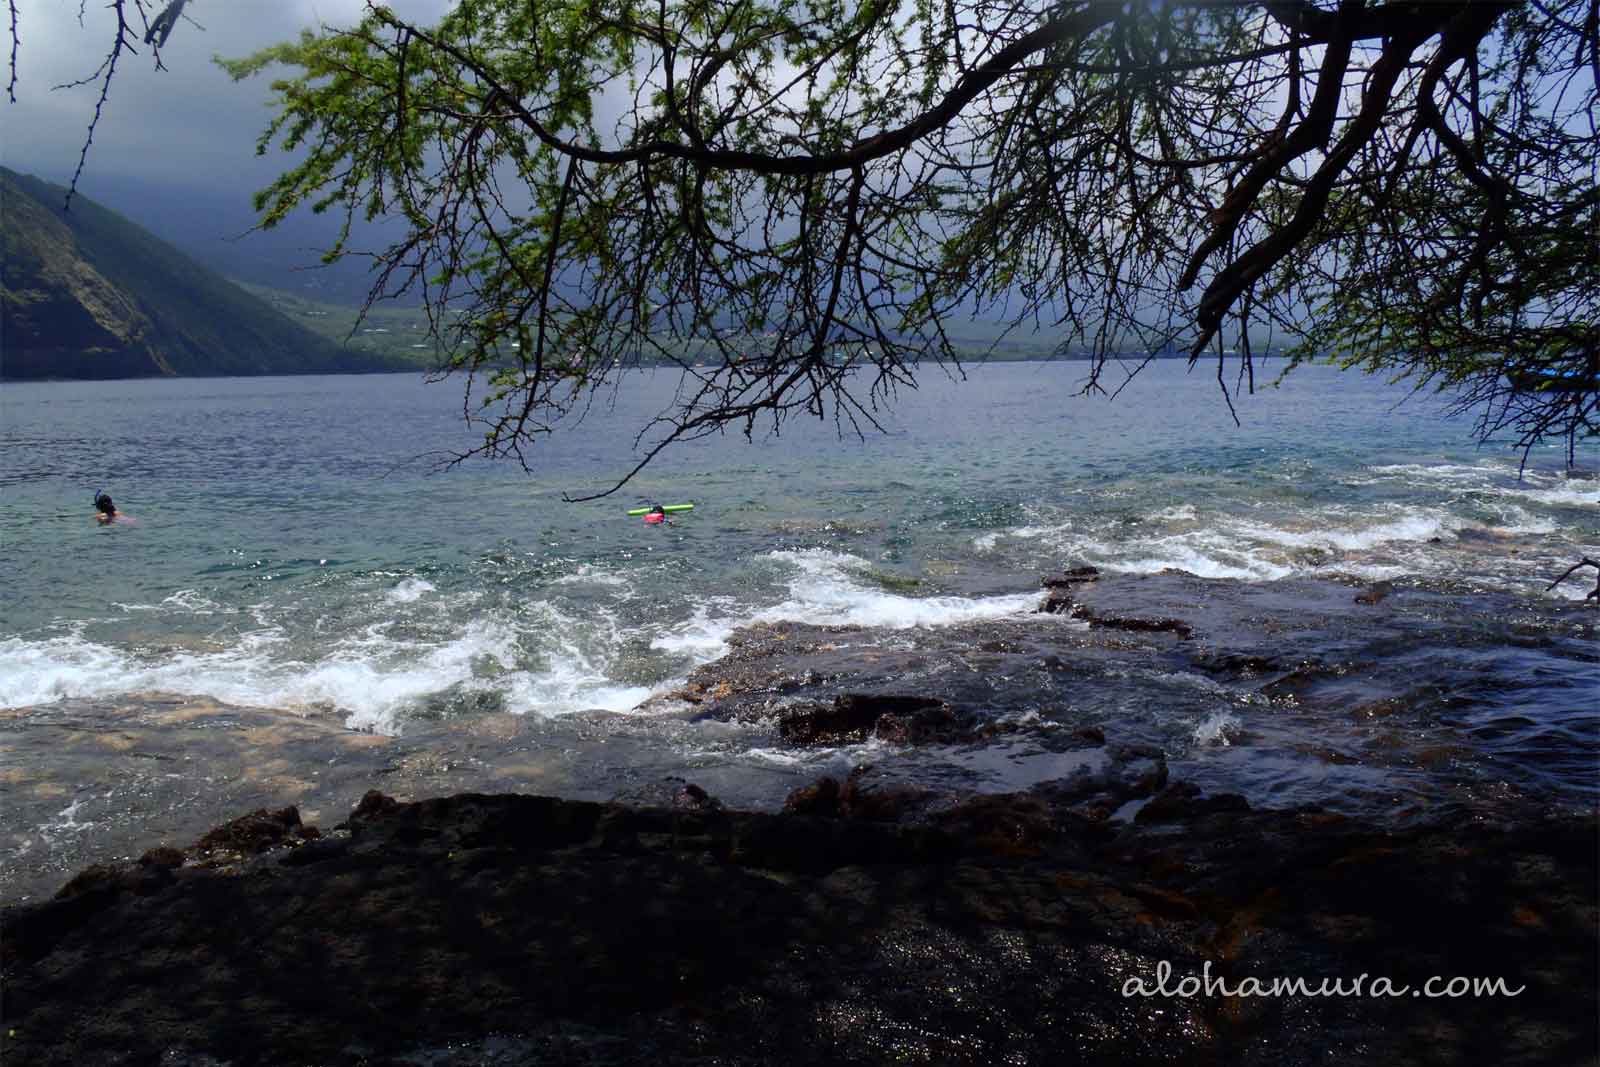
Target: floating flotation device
(667, 507)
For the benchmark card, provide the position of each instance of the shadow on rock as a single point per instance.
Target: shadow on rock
(863, 926)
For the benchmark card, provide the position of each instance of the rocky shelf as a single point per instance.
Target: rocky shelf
(861, 925)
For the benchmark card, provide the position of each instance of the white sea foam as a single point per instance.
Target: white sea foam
(1206, 561)
(844, 756)
(192, 600)
(1411, 525)
(1516, 520)
(1559, 494)
(589, 574)
(41, 672)
(828, 588)
(410, 591)
(368, 675)
(987, 542)
(1452, 473)
(1377, 572)
(579, 659)
(1377, 540)
(1219, 728)
(703, 637)
(189, 600)
(65, 822)
(1207, 551)
(776, 756)
(1492, 479)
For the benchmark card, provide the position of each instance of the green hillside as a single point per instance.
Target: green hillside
(88, 294)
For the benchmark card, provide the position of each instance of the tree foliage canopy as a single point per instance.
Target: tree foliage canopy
(792, 199)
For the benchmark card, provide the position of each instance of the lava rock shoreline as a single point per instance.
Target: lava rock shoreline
(516, 929)
(1098, 918)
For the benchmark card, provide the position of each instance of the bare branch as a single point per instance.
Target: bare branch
(1584, 562)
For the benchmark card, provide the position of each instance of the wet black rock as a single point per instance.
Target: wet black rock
(1237, 665)
(858, 716)
(522, 930)
(1374, 593)
(1183, 799)
(863, 796)
(1134, 623)
(1058, 600)
(670, 792)
(1071, 577)
(260, 831)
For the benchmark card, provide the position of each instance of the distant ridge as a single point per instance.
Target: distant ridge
(86, 293)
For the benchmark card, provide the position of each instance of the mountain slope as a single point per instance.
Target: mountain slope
(88, 294)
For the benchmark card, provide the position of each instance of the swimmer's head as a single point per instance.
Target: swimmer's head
(102, 501)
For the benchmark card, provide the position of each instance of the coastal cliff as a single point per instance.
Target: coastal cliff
(88, 294)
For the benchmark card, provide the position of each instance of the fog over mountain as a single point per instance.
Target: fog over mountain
(175, 149)
(216, 226)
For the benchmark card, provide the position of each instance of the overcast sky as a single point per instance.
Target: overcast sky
(189, 124)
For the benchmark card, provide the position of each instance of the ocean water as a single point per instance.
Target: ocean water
(296, 546)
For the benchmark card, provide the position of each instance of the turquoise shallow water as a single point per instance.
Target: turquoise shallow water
(296, 547)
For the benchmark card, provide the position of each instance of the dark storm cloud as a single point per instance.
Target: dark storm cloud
(187, 125)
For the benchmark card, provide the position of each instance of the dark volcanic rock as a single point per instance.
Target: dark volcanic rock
(522, 930)
(766, 666)
(858, 716)
(1182, 799)
(1139, 625)
(258, 832)
(1070, 577)
(1058, 601)
(860, 797)
(1375, 593)
(1131, 772)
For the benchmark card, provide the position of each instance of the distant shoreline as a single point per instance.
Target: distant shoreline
(970, 360)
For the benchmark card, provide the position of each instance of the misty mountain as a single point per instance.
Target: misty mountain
(88, 294)
(214, 224)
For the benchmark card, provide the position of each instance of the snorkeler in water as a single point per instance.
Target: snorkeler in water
(659, 514)
(105, 510)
